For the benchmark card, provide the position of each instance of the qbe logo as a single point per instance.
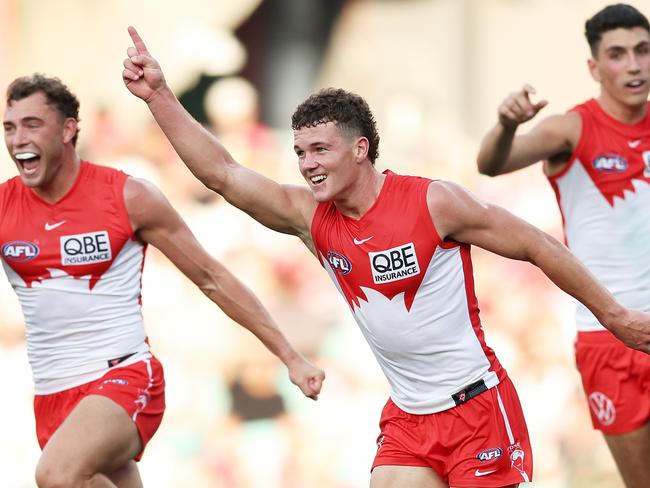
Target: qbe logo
(20, 251)
(80, 249)
(394, 264)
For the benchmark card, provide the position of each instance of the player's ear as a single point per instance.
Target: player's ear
(70, 129)
(592, 64)
(361, 148)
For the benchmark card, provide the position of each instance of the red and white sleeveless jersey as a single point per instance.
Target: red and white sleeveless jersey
(604, 197)
(76, 268)
(411, 294)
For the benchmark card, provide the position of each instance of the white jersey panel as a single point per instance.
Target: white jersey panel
(73, 331)
(430, 352)
(613, 241)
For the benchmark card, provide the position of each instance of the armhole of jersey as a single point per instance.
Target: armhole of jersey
(3, 188)
(430, 218)
(315, 221)
(119, 188)
(576, 150)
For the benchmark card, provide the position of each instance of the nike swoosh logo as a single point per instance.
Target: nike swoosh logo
(49, 226)
(634, 144)
(484, 473)
(358, 242)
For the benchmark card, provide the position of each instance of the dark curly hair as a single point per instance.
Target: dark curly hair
(55, 91)
(610, 18)
(348, 111)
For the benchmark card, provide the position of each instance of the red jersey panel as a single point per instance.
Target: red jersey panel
(411, 294)
(75, 266)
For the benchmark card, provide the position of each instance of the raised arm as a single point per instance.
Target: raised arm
(155, 221)
(459, 216)
(502, 151)
(284, 208)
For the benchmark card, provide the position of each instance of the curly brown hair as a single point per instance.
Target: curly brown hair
(347, 110)
(55, 91)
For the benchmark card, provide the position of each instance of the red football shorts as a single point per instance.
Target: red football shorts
(138, 388)
(482, 442)
(616, 380)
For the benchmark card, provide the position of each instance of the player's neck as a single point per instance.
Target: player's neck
(627, 114)
(60, 184)
(363, 194)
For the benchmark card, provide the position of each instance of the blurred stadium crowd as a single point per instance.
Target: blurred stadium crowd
(233, 418)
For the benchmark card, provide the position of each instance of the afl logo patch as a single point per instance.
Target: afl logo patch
(339, 262)
(610, 163)
(20, 251)
(490, 454)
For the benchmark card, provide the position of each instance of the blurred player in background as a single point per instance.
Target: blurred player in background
(597, 159)
(398, 249)
(73, 237)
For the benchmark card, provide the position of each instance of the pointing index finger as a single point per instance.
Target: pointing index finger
(137, 41)
(528, 89)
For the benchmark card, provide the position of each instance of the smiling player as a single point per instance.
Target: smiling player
(398, 249)
(72, 238)
(597, 158)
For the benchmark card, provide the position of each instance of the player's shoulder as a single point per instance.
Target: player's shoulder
(11, 186)
(442, 194)
(445, 187)
(405, 182)
(12, 194)
(140, 188)
(10, 182)
(589, 105)
(561, 130)
(101, 175)
(562, 121)
(585, 111)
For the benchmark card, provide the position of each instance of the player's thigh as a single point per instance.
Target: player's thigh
(404, 477)
(128, 476)
(631, 452)
(97, 437)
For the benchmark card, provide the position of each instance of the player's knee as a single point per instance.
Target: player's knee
(51, 474)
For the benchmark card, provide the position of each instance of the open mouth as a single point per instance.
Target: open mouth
(29, 161)
(318, 179)
(635, 84)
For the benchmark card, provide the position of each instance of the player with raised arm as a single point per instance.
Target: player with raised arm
(398, 250)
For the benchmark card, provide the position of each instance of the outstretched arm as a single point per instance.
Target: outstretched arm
(155, 221)
(502, 151)
(284, 208)
(459, 216)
